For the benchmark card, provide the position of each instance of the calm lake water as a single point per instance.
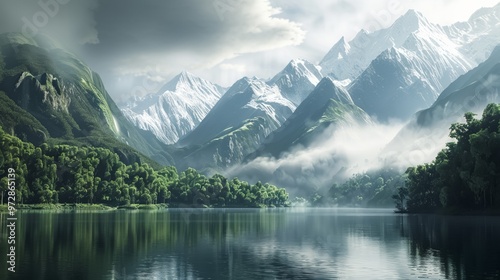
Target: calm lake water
(252, 244)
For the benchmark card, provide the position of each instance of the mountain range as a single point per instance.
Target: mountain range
(249, 111)
(429, 128)
(402, 69)
(387, 75)
(413, 71)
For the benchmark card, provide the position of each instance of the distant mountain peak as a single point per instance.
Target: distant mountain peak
(347, 60)
(186, 75)
(258, 86)
(411, 21)
(297, 62)
(301, 67)
(485, 11)
(176, 108)
(337, 52)
(297, 80)
(255, 86)
(413, 15)
(184, 78)
(332, 90)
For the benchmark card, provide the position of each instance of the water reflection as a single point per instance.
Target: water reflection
(252, 244)
(467, 247)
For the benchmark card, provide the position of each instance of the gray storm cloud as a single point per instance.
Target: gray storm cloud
(69, 22)
(129, 39)
(151, 39)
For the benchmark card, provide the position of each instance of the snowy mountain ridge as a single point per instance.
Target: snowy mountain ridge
(176, 109)
(472, 40)
(297, 80)
(245, 99)
(402, 69)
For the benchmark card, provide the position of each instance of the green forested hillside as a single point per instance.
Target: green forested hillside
(373, 189)
(72, 174)
(465, 175)
(48, 94)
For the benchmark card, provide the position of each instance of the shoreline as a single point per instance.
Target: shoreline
(453, 212)
(104, 207)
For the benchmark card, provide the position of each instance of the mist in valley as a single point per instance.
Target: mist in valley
(338, 153)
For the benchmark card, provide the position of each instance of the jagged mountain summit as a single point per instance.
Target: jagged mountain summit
(347, 60)
(329, 105)
(247, 98)
(176, 109)
(429, 128)
(479, 35)
(297, 80)
(402, 69)
(469, 93)
(249, 111)
(184, 101)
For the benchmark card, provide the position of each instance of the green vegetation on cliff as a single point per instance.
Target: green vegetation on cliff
(49, 95)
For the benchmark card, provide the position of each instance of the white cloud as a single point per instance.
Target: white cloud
(188, 35)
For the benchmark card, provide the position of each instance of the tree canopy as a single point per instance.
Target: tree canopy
(81, 174)
(464, 175)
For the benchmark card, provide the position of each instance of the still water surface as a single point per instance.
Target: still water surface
(252, 244)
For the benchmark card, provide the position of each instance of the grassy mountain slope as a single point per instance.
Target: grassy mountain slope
(49, 94)
(327, 105)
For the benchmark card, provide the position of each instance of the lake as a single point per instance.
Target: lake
(293, 243)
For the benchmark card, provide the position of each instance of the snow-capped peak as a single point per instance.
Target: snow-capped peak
(185, 80)
(298, 68)
(247, 98)
(479, 35)
(412, 19)
(339, 51)
(403, 68)
(177, 108)
(484, 12)
(297, 80)
(347, 60)
(258, 91)
(260, 88)
(239, 86)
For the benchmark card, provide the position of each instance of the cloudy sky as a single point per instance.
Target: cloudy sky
(136, 46)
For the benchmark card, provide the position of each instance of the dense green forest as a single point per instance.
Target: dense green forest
(369, 189)
(373, 189)
(465, 175)
(80, 174)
